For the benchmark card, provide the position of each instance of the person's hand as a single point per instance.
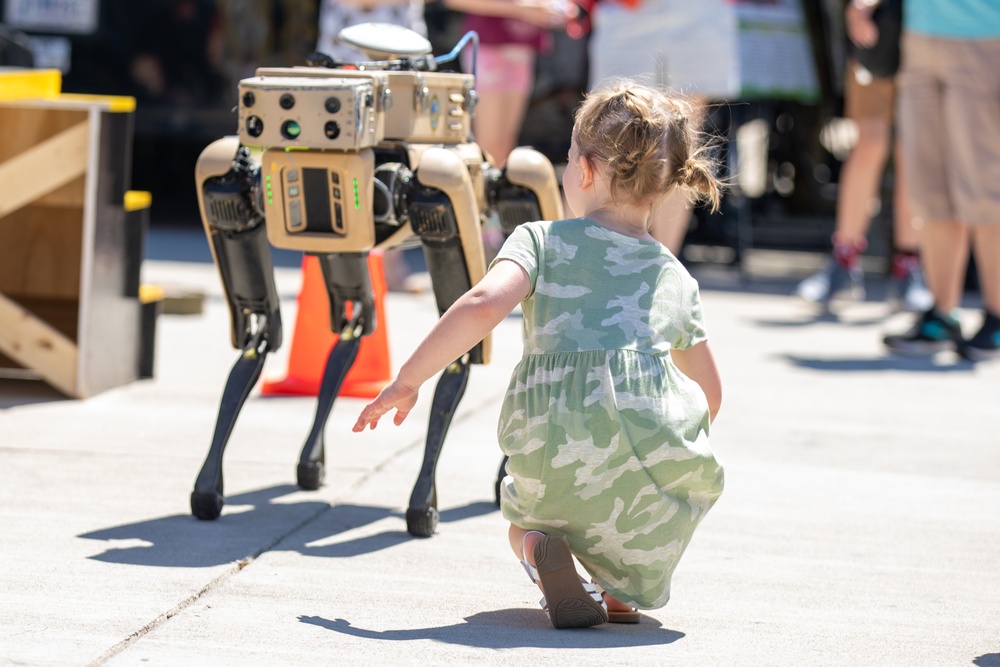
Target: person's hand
(395, 395)
(860, 27)
(548, 14)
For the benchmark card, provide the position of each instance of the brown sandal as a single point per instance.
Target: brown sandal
(567, 601)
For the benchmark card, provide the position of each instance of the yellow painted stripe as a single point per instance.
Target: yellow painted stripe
(24, 84)
(114, 103)
(137, 199)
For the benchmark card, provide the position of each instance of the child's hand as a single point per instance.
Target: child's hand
(395, 395)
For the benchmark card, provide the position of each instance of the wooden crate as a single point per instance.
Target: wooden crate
(69, 263)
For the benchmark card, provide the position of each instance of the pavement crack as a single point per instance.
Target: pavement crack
(235, 568)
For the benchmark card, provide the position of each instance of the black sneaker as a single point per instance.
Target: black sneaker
(932, 333)
(986, 343)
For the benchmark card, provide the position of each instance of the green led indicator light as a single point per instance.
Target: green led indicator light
(357, 198)
(267, 178)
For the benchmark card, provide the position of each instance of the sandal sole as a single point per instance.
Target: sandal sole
(570, 606)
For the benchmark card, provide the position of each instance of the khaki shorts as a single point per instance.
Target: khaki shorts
(866, 96)
(949, 122)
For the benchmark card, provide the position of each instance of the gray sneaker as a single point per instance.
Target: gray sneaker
(912, 293)
(834, 279)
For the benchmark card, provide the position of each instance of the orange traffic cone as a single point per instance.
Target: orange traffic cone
(313, 340)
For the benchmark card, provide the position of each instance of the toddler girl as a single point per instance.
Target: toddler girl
(606, 418)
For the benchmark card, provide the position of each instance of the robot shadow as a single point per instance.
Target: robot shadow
(514, 628)
(312, 528)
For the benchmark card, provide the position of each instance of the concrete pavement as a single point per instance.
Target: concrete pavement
(860, 523)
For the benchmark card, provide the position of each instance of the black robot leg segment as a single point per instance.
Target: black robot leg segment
(207, 498)
(422, 513)
(237, 235)
(352, 315)
(444, 214)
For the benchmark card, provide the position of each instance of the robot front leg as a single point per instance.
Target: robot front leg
(444, 214)
(352, 315)
(207, 498)
(227, 182)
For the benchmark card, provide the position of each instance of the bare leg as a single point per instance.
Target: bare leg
(669, 221)
(860, 179)
(907, 236)
(500, 111)
(945, 252)
(986, 245)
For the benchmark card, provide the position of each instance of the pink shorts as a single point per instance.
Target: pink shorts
(503, 67)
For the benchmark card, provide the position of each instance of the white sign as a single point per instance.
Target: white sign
(78, 17)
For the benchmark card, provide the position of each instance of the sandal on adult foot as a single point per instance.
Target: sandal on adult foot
(568, 601)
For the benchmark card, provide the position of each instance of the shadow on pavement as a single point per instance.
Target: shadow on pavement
(887, 363)
(15, 392)
(987, 660)
(515, 628)
(309, 528)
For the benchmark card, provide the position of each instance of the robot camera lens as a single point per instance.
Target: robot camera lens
(332, 129)
(249, 99)
(290, 129)
(287, 101)
(333, 104)
(255, 126)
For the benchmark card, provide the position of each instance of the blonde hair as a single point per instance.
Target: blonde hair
(649, 141)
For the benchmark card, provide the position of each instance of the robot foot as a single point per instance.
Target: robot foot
(310, 475)
(206, 506)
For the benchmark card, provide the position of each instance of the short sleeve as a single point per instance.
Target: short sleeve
(523, 247)
(694, 329)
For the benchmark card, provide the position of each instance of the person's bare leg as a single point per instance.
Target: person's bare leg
(945, 251)
(905, 232)
(669, 221)
(986, 245)
(497, 124)
(860, 179)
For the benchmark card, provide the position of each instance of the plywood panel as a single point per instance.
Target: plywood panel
(44, 167)
(37, 345)
(41, 255)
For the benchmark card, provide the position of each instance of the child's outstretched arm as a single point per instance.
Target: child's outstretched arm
(468, 321)
(698, 364)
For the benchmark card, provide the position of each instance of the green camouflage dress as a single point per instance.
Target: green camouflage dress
(607, 439)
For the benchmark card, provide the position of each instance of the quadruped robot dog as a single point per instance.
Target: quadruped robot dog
(335, 159)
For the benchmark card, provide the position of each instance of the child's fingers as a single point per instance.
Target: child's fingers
(399, 416)
(369, 415)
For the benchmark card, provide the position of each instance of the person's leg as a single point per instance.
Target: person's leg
(986, 246)
(669, 220)
(860, 181)
(945, 253)
(985, 344)
(944, 242)
(869, 104)
(506, 76)
(907, 271)
(906, 237)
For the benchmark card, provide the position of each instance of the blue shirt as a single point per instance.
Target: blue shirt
(959, 19)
